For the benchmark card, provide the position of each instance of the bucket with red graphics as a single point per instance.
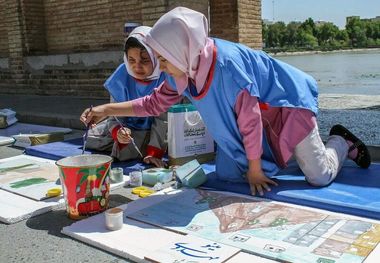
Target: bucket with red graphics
(85, 183)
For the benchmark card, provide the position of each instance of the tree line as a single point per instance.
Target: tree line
(307, 35)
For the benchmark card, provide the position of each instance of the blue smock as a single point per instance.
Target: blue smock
(238, 67)
(123, 87)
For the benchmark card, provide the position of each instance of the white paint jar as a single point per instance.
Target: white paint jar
(114, 218)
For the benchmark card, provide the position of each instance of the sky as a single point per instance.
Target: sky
(334, 11)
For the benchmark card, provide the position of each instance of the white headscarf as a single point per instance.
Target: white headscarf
(140, 34)
(180, 36)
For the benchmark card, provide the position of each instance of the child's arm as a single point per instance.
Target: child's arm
(152, 105)
(158, 142)
(248, 113)
(257, 180)
(98, 113)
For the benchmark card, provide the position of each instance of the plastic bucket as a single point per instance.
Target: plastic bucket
(85, 183)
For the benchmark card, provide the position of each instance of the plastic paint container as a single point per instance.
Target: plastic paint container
(114, 218)
(135, 178)
(116, 175)
(85, 183)
(155, 175)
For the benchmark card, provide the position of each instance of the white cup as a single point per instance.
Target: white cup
(114, 218)
(135, 178)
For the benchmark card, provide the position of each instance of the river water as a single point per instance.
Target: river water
(354, 72)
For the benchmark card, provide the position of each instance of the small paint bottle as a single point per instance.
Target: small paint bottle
(135, 178)
(114, 218)
(116, 175)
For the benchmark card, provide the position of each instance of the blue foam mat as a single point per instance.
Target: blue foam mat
(59, 150)
(27, 128)
(355, 191)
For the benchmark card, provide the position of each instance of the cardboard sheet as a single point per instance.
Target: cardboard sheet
(28, 176)
(14, 207)
(138, 240)
(5, 140)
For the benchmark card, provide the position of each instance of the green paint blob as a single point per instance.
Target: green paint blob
(28, 182)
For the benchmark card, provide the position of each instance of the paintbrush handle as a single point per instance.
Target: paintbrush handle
(137, 148)
(86, 133)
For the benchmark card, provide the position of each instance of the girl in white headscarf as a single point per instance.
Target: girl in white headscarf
(259, 110)
(135, 78)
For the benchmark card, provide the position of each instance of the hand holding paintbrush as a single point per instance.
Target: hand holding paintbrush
(147, 159)
(86, 133)
(127, 132)
(93, 115)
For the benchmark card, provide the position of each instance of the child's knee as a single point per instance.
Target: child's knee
(320, 179)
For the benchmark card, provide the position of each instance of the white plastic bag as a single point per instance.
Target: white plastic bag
(187, 134)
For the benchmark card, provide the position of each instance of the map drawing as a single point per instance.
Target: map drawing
(262, 227)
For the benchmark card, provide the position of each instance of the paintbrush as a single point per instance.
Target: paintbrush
(86, 133)
(132, 140)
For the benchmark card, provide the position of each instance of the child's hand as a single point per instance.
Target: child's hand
(124, 135)
(153, 160)
(258, 181)
(94, 115)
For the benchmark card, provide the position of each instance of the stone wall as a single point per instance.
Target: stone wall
(69, 47)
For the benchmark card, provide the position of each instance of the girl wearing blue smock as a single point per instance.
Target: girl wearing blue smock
(135, 78)
(259, 110)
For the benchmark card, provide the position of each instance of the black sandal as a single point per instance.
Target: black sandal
(363, 159)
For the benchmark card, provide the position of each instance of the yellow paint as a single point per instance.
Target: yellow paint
(137, 190)
(54, 192)
(146, 193)
(142, 191)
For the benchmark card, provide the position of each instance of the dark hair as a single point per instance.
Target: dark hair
(133, 43)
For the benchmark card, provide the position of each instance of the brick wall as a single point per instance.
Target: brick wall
(74, 26)
(34, 27)
(250, 23)
(152, 10)
(64, 47)
(3, 31)
(224, 19)
(238, 21)
(198, 5)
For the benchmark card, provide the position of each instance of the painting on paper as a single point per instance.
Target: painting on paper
(28, 176)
